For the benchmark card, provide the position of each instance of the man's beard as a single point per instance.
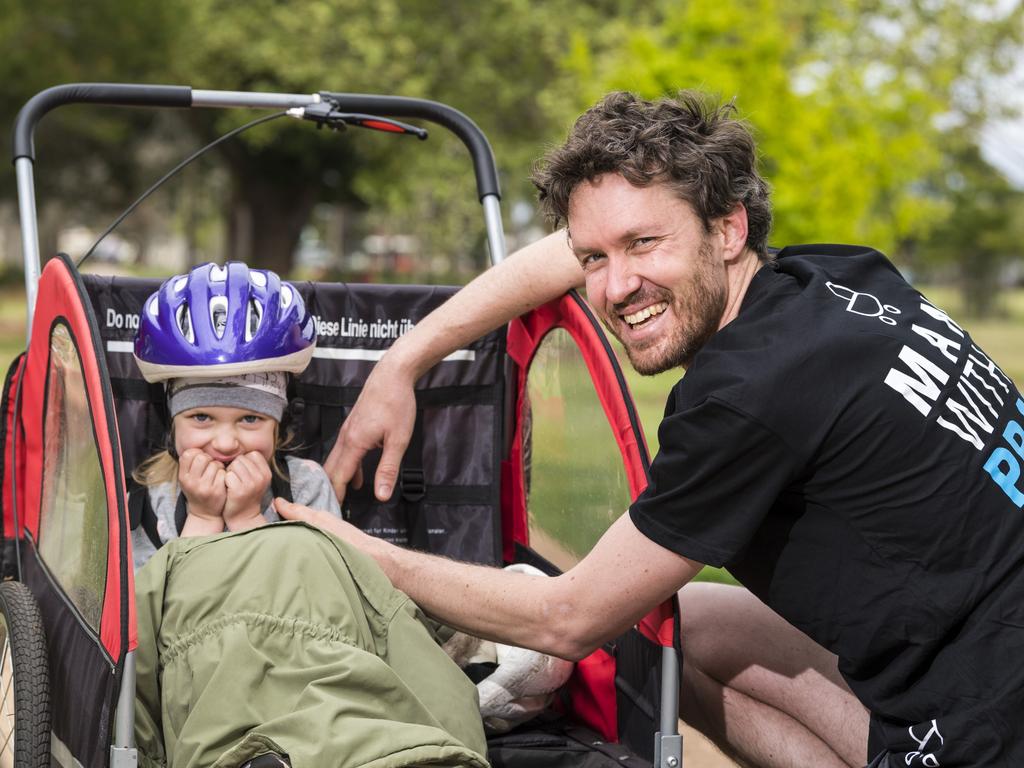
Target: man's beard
(697, 316)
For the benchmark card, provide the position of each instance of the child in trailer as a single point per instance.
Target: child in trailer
(265, 645)
(225, 360)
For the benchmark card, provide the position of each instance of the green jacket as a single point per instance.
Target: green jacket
(286, 639)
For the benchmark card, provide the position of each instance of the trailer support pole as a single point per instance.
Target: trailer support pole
(668, 743)
(29, 235)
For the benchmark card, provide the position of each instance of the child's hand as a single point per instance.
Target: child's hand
(248, 478)
(202, 480)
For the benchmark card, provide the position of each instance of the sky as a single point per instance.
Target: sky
(1002, 144)
(1002, 141)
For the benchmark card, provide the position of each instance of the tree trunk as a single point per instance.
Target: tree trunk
(265, 221)
(980, 286)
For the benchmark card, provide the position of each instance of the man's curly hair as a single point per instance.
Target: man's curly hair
(693, 144)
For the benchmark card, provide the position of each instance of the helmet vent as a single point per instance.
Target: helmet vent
(184, 322)
(154, 308)
(258, 279)
(219, 315)
(218, 274)
(253, 315)
(180, 283)
(286, 297)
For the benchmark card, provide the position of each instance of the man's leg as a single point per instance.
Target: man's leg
(764, 692)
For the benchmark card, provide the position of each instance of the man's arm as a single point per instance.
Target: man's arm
(613, 587)
(386, 409)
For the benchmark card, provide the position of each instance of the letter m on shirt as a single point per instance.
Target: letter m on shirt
(922, 385)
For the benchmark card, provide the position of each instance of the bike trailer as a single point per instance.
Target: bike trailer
(496, 472)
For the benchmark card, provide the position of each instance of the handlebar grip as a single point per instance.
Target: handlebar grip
(448, 117)
(91, 93)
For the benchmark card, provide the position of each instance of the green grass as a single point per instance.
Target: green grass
(12, 326)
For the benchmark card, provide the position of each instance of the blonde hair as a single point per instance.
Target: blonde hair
(162, 467)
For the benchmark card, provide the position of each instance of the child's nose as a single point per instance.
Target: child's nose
(225, 440)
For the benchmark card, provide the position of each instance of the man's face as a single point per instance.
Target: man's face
(654, 276)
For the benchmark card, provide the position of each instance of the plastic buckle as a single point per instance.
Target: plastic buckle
(413, 484)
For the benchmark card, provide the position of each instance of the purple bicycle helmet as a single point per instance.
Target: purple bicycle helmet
(223, 321)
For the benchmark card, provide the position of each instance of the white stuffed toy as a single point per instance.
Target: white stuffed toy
(524, 682)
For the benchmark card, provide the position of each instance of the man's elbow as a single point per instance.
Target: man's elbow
(572, 631)
(567, 644)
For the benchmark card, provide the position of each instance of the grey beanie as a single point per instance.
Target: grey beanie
(265, 393)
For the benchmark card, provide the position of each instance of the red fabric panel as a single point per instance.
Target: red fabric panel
(58, 298)
(658, 626)
(592, 697)
(521, 345)
(524, 336)
(13, 484)
(591, 688)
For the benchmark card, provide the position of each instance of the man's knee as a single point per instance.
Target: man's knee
(717, 623)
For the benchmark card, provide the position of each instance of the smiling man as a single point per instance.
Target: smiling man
(838, 443)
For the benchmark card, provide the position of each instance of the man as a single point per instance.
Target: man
(839, 443)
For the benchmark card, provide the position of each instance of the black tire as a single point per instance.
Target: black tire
(25, 705)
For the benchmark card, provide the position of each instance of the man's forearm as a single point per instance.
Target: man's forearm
(567, 616)
(528, 278)
(513, 608)
(624, 576)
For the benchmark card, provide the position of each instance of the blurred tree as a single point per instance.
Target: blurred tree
(851, 101)
(87, 157)
(489, 60)
(984, 229)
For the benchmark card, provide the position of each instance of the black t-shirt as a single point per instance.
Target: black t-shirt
(855, 460)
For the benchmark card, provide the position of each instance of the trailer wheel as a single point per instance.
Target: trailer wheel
(24, 681)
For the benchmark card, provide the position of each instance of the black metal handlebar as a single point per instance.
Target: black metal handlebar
(436, 112)
(118, 94)
(91, 93)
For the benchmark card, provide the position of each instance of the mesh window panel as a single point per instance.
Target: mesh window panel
(73, 515)
(576, 484)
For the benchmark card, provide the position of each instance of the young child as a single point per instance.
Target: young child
(224, 339)
(257, 644)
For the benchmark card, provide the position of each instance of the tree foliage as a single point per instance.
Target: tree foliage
(851, 102)
(488, 60)
(49, 42)
(984, 228)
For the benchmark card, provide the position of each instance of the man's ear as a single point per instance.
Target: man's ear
(733, 230)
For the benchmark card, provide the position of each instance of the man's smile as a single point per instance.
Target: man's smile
(640, 317)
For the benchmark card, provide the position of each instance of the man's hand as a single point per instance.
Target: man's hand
(385, 412)
(384, 416)
(247, 479)
(370, 545)
(202, 481)
(320, 519)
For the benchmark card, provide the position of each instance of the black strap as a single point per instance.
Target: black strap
(413, 487)
(140, 512)
(281, 485)
(180, 513)
(331, 418)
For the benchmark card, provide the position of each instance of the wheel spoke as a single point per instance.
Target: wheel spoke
(7, 715)
(7, 688)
